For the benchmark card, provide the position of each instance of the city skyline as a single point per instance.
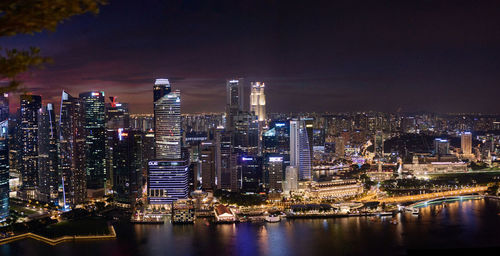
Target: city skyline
(426, 57)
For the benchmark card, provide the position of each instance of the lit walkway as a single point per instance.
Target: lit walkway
(402, 199)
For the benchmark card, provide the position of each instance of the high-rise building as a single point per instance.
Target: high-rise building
(4, 157)
(95, 141)
(207, 160)
(127, 165)
(30, 110)
(274, 170)
(441, 147)
(227, 172)
(466, 145)
(167, 114)
(291, 179)
(48, 157)
(117, 117)
(235, 101)
(250, 168)
(167, 181)
(258, 100)
(378, 145)
(73, 178)
(245, 133)
(300, 155)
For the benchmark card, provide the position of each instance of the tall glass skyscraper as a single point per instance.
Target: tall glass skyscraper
(30, 110)
(235, 101)
(168, 174)
(4, 157)
(95, 138)
(167, 112)
(72, 151)
(300, 155)
(48, 160)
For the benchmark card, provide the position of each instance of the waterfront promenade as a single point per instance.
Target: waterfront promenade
(58, 240)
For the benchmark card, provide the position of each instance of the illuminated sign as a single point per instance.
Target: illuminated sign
(280, 124)
(276, 159)
(95, 94)
(247, 158)
(153, 163)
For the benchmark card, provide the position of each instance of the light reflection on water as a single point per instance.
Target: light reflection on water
(472, 223)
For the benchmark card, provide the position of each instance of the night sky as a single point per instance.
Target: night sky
(440, 56)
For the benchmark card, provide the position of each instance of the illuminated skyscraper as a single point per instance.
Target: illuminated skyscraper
(126, 161)
(30, 110)
(258, 100)
(235, 101)
(274, 169)
(168, 174)
(95, 139)
(466, 144)
(73, 178)
(167, 111)
(207, 161)
(48, 159)
(167, 181)
(300, 155)
(4, 157)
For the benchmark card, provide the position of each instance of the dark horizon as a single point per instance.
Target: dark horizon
(435, 56)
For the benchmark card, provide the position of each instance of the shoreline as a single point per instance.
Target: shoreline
(58, 240)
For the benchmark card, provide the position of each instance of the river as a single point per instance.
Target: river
(466, 224)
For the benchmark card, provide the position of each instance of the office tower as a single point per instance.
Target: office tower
(167, 181)
(207, 160)
(227, 173)
(441, 147)
(48, 157)
(73, 178)
(466, 145)
(148, 148)
(234, 102)
(378, 144)
(127, 165)
(117, 114)
(30, 109)
(309, 127)
(339, 146)
(4, 157)
(117, 117)
(258, 100)
(300, 155)
(167, 112)
(95, 141)
(246, 133)
(250, 168)
(274, 170)
(291, 179)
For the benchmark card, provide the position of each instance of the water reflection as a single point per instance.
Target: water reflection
(457, 224)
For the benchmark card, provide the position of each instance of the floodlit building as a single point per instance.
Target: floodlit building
(466, 143)
(258, 100)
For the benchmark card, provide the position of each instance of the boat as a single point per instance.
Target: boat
(272, 218)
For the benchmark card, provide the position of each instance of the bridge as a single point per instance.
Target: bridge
(443, 199)
(423, 197)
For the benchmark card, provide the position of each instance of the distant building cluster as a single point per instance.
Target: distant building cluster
(93, 147)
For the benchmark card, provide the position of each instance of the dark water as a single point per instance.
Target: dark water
(467, 224)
